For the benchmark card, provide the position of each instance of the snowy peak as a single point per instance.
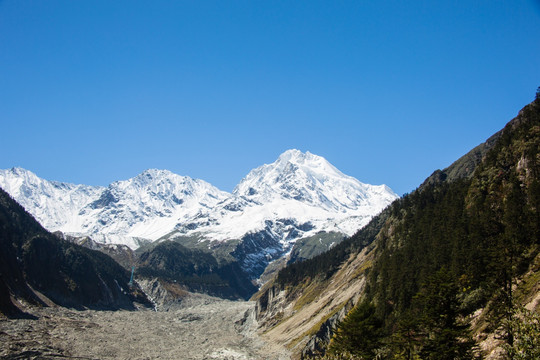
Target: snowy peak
(52, 203)
(308, 162)
(312, 180)
(18, 180)
(162, 188)
(148, 205)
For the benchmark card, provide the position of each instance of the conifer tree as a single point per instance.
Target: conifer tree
(446, 335)
(359, 334)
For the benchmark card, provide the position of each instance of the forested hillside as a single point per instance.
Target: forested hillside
(194, 270)
(34, 262)
(453, 259)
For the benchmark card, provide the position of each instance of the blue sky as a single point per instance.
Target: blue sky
(388, 91)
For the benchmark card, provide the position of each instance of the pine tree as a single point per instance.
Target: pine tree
(405, 339)
(359, 334)
(446, 335)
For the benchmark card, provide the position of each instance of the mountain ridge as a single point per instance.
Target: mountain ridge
(37, 268)
(298, 195)
(141, 205)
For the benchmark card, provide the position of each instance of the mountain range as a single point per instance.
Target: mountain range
(297, 196)
(449, 271)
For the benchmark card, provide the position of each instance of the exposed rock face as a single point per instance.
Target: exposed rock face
(302, 317)
(271, 305)
(317, 344)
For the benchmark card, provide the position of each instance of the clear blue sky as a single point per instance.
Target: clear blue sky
(388, 91)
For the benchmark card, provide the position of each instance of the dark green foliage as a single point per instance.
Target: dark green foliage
(405, 339)
(15, 225)
(525, 326)
(504, 200)
(74, 276)
(445, 334)
(197, 270)
(172, 261)
(428, 233)
(479, 228)
(360, 334)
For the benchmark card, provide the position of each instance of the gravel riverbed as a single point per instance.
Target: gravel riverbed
(202, 328)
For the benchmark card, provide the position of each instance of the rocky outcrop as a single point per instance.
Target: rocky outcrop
(303, 317)
(317, 344)
(271, 306)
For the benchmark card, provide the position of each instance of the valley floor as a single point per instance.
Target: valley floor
(202, 328)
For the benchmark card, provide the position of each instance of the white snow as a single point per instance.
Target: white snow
(297, 189)
(299, 186)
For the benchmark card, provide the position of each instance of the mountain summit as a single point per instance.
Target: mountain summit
(298, 188)
(312, 180)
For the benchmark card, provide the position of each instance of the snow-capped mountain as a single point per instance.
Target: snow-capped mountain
(54, 204)
(307, 178)
(298, 195)
(145, 207)
(312, 181)
(299, 187)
